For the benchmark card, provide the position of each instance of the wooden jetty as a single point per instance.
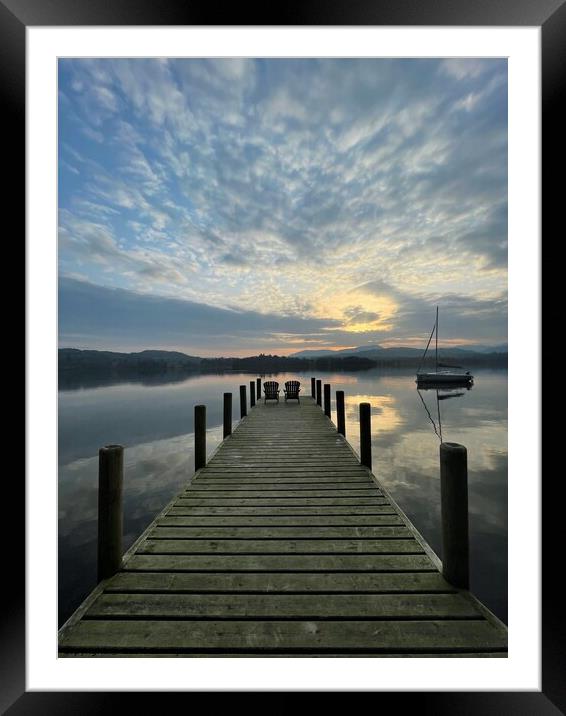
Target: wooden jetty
(283, 544)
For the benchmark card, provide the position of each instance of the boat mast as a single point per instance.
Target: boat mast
(426, 349)
(436, 337)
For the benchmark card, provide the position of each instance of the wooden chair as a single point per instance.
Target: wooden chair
(292, 388)
(271, 391)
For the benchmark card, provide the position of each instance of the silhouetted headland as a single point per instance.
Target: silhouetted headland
(78, 368)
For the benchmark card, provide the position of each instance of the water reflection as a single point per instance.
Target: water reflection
(74, 380)
(383, 407)
(440, 395)
(155, 423)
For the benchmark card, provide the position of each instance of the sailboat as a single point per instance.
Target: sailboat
(443, 374)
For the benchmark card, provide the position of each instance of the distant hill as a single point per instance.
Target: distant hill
(377, 352)
(312, 354)
(170, 357)
(343, 352)
(76, 365)
(147, 362)
(501, 348)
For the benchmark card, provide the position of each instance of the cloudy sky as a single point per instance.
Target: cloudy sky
(230, 207)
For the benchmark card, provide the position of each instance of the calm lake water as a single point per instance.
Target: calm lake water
(154, 422)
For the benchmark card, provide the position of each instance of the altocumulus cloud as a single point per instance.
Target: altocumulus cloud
(326, 202)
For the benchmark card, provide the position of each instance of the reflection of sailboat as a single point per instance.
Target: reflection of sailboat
(444, 395)
(448, 395)
(448, 391)
(449, 374)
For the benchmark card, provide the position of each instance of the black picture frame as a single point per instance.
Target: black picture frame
(550, 16)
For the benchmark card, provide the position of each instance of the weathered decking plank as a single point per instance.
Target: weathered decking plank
(277, 582)
(277, 655)
(278, 533)
(283, 545)
(289, 510)
(281, 606)
(186, 500)
(272, 521)
(298, 483)
(239, 493)
(279, 562)
(311, 635)
(278, 546)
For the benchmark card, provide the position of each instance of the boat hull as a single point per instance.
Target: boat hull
(444, 378)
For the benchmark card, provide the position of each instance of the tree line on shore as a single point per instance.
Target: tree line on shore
(158, 362)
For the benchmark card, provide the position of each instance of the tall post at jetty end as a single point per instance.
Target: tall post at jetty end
(340, 413)
(227, 427)
(200, 436)
(365, 434)
(110, 512)
(454, 507)
(243, 402)
(327, 400)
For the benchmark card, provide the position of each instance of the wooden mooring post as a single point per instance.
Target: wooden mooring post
(340, 413)
(454, 508)
(258, 391)
(227, 427)
(252, 393)
(110, 511)
(200, 436)
(365, 434)
(319, 392)
(313, 387)
(327, 400)
(243, 402)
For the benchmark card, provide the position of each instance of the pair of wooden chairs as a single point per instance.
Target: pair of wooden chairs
(271, 390)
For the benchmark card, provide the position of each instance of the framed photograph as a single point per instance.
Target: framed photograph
(196, 191)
